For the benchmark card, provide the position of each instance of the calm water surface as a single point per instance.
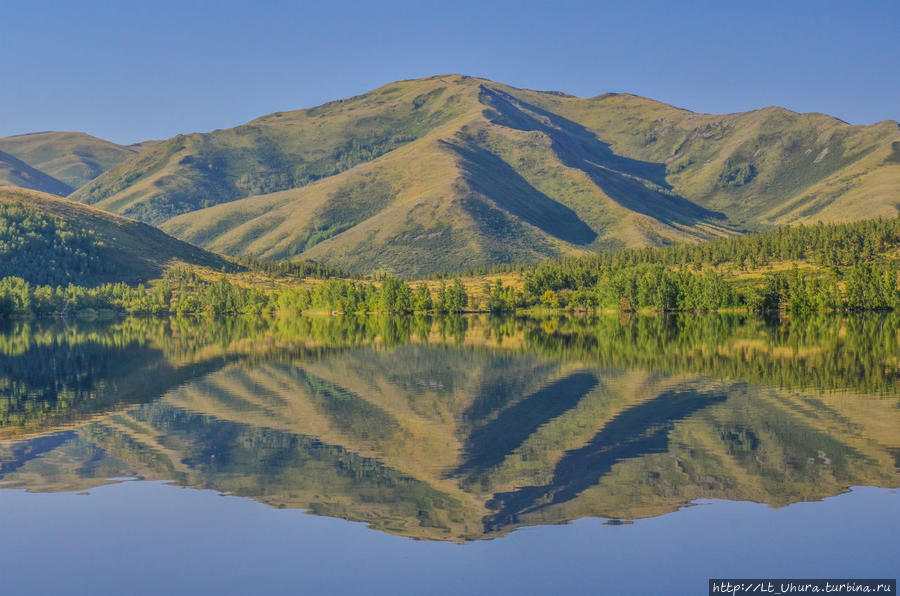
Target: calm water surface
(456, 455)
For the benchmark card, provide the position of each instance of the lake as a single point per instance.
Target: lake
(610, 454)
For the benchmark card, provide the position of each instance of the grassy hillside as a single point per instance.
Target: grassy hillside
(766, 166)
(452, 171)
(801, 269)
(50, 240)
(15, 172)
(279, 151)
(73, 158)
(468, 193)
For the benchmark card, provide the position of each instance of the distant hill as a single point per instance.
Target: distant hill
(15, 172)
(73, 158)
(51, 240)
(454, 171)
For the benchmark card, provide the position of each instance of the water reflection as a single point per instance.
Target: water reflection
(458, 428)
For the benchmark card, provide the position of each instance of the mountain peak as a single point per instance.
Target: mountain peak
(451, 170)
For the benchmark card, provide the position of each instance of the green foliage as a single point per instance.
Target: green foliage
(295, 269)
(669, 278)
(54, 241)
(502, 299)
(631, 287)
(421, 300)
(660, 288)
(736, 173)
(826, 245)
(677, 278)
(395, 296)
(16, 296)
(872, 287)
(46, 249)
(456, 299)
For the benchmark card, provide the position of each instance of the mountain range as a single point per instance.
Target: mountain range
(453, 172)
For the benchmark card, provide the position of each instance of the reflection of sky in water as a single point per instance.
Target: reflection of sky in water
(148, 538)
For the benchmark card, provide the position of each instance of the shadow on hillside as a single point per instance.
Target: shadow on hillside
(354, 415)
(498, 391)
(639, 186)
(638, 431)
(495, 179)
(490, 444)
(24, 452)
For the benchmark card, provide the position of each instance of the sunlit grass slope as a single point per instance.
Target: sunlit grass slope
(73, 158)
(452, 171)
(15, 172)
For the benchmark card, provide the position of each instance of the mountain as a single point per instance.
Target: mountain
(453, 171)
(46, 239)
(15, 172)
(74, 158)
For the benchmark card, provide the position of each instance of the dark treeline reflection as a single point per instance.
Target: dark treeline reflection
(457, 428)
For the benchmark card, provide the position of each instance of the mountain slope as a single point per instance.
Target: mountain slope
(280, 151)
(470, 192)
(15, 172)
(454, 171)
(73, 158)
(50, 240)
(767, 166)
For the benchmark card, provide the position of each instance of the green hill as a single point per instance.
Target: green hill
(15, 172)
(50, 240)
(454, 171)
(73, 158)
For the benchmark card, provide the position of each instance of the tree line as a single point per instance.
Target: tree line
(825, 245)
(847, 267)
(850, 267)
(184, 291)
(862, 287)
(66, 253)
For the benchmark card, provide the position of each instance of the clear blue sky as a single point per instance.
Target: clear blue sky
(132, 71)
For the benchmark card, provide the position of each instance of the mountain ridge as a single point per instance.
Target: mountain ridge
(430, 174)
(16, 173)
(72, 158)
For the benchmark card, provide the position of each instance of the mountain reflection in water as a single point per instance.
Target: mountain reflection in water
(458, 428)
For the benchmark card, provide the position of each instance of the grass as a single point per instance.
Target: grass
(451, 172)
(73, 158)
(277, 152)
(15, 172)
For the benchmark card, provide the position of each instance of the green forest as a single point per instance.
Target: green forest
(44, 248)
(845, 267)
(184, 291)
